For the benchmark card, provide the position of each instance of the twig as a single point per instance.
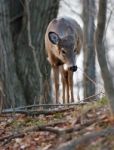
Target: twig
(87, 76)
(7, 139)
(92, 96)
(94, 82)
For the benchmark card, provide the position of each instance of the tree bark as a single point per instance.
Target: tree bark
(24, 69)
(10, 87)
(32, 66)
(88, 47)
(101, 53)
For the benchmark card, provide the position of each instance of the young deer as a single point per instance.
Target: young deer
(63, 41)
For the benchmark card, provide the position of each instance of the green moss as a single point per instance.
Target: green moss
(33, 122)
(58, 116)
(110, 138)
(28, 122)
(14, 123)
(103, 101)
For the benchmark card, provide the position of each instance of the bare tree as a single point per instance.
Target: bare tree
(101, 52)
(88, 48)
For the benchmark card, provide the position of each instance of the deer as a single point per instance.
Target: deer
(63, 42)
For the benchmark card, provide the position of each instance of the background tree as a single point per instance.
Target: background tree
(24, 70)
(88, 46)
(101, 52)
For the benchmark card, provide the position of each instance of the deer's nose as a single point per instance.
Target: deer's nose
(73, 68)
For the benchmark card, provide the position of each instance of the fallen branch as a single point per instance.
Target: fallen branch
(86, 139)
(60, 131)
(45, 105)
(47, 127)
(8, 138)
(82, 102)
(39, 112)
(53, 124)
(50, 129)
(66, 131)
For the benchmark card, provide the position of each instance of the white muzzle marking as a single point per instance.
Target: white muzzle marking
(65, 66)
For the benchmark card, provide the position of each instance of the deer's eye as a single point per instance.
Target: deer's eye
(63, 51)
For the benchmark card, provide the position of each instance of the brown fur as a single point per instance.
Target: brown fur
(71, 39)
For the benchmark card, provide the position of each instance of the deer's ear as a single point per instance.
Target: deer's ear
(53, 37)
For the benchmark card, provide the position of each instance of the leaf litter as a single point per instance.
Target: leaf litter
(47, 132)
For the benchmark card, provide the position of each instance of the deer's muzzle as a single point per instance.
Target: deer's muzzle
(73, 68)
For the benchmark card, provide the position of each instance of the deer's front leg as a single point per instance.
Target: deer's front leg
(63, 93)
(67, 86)
(63, 83)
(56, 82)
(70, 82)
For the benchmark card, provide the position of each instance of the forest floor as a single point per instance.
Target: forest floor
(82, 127)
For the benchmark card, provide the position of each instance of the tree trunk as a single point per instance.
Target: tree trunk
(101, 54)
(10, 87)
(24, 69)
(32, 66)
(89, 50)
